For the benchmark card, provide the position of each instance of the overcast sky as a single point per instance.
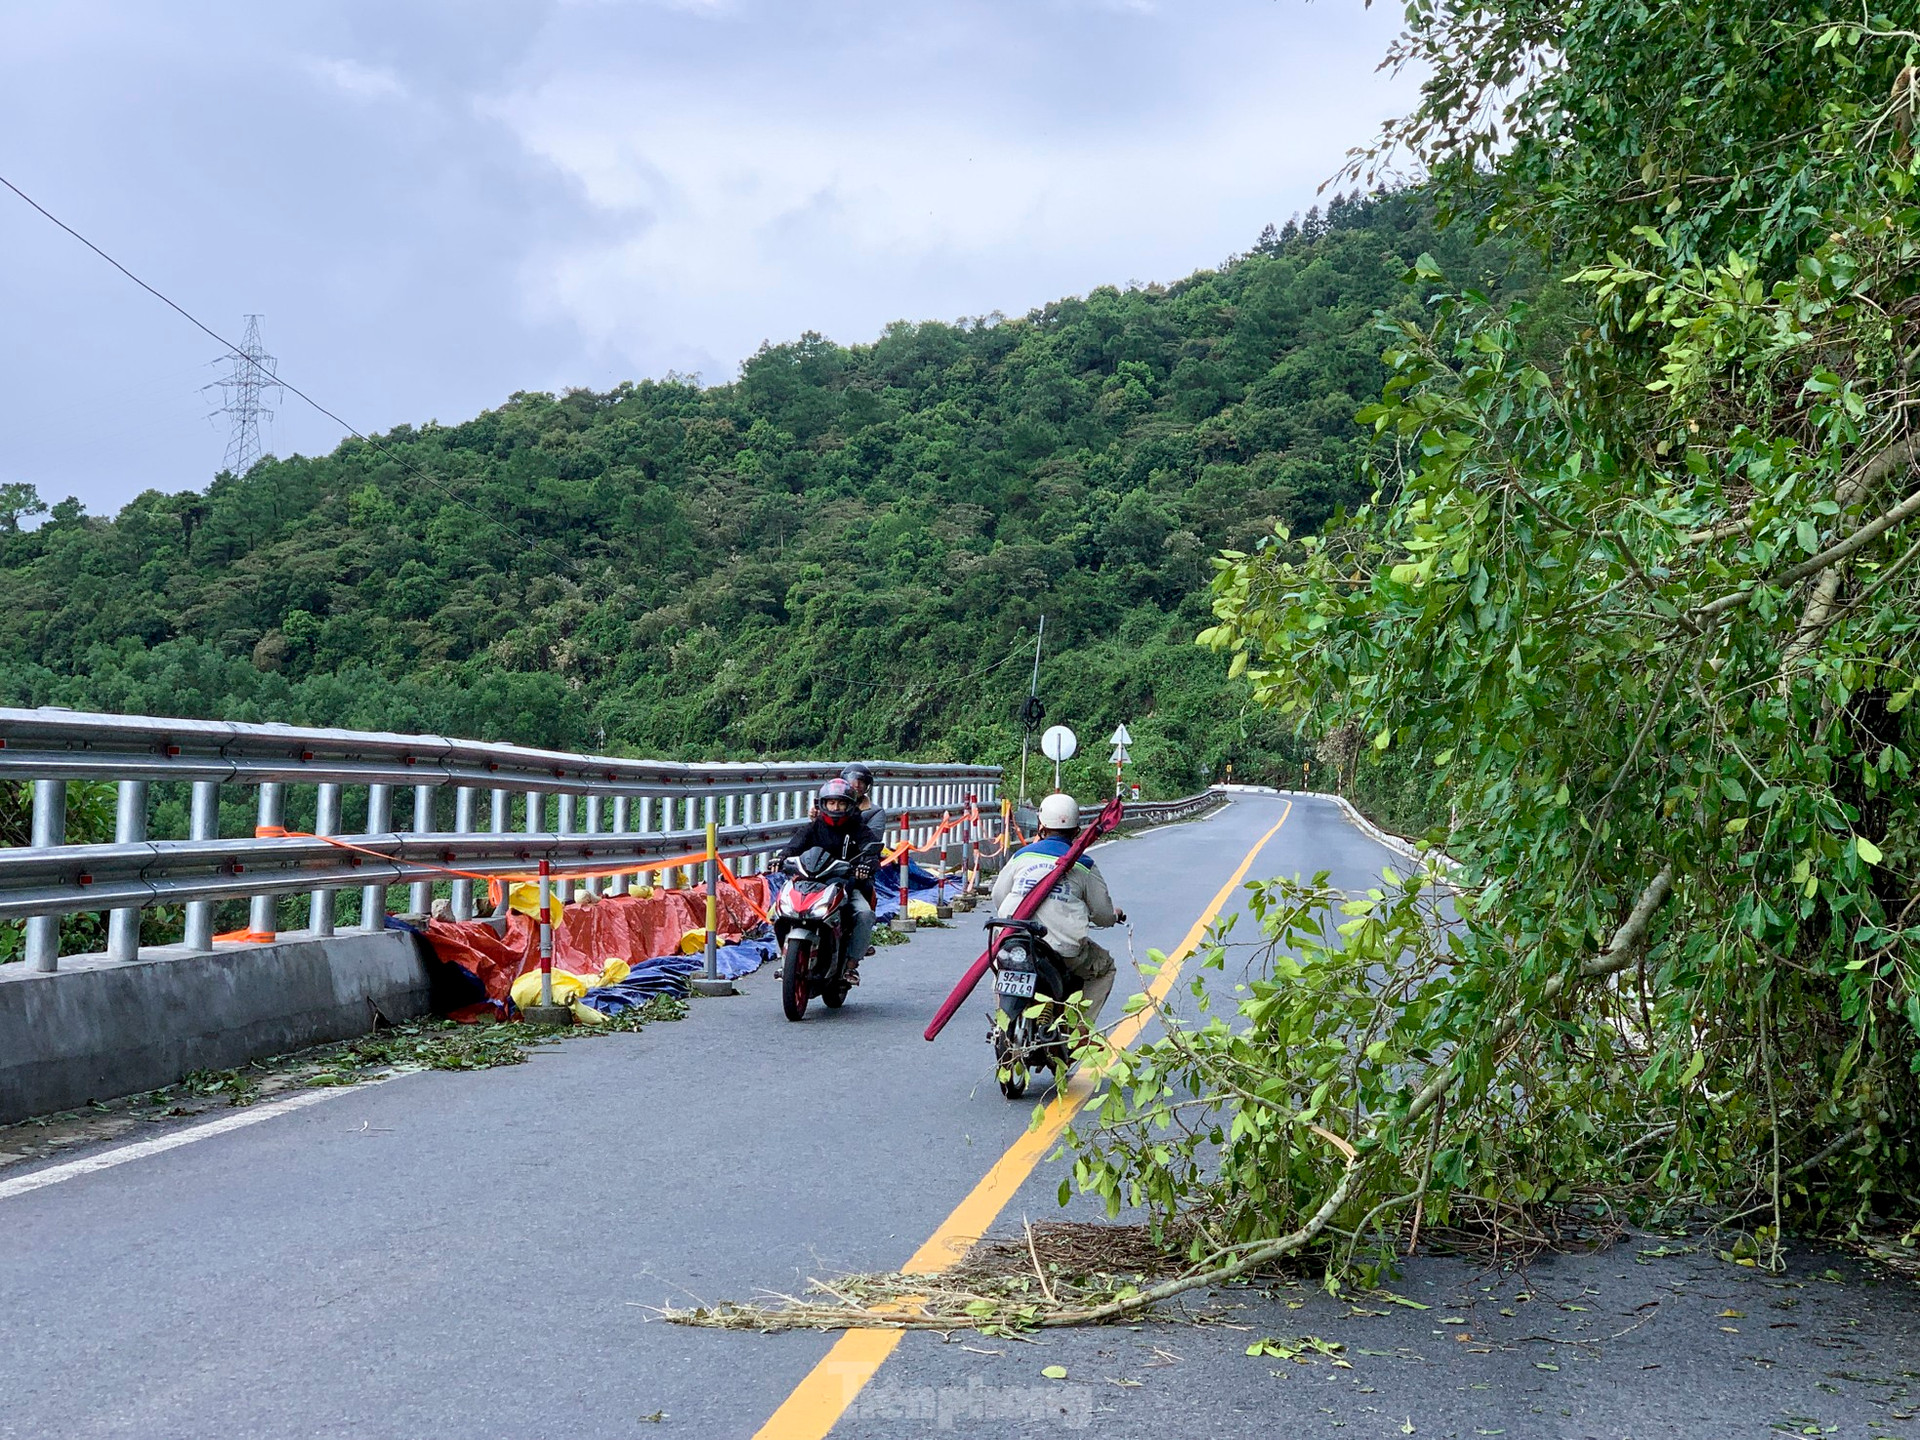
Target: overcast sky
(436, 204)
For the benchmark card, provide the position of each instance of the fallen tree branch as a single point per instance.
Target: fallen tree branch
(1621, 952)
(1894, 457)
(1252, 1260)
(909, 1312)
(1725, 529)
(1826, 590)
(1833, 1147)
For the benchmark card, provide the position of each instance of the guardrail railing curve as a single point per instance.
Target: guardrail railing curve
(1136, 813)
(605, 811)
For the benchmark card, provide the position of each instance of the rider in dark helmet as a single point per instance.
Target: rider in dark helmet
(838, 828)
(861, 779)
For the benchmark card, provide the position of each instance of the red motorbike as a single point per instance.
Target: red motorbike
(811, 918)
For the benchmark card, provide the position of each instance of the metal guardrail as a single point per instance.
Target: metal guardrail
(605, 810)
(1136, 813)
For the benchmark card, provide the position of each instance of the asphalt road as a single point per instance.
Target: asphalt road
(474, 1255)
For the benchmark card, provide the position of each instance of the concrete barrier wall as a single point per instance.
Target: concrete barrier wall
(98, 1028)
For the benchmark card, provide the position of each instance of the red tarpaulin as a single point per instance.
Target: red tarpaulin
(590, 934)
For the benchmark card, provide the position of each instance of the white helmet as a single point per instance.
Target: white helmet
(1059, 812)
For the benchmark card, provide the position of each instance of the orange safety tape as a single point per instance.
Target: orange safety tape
(734, 881)
(248, 937)
(494, 882)
(280, 832)
(907, 848)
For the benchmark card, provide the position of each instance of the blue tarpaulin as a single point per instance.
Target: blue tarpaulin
(671, 974)
(921, 885)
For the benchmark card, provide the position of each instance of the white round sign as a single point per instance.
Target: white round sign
(1059, 743)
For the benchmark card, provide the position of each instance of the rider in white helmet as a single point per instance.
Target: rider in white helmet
(1078, 901)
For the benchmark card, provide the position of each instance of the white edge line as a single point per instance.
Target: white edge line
(140, 1150)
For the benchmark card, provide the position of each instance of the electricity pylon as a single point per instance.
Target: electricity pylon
(251, 375)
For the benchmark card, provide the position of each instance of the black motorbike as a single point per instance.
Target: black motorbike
(811, 919)
(1031, 987)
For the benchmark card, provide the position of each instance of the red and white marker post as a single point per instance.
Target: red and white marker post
(546, 934)
(905, 920)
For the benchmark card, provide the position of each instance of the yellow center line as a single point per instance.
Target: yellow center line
(819, 1400)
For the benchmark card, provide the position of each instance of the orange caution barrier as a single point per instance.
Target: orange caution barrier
(734, 880)
(906, 847)
(493, 882)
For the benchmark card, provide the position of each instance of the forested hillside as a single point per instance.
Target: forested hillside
(846, 550)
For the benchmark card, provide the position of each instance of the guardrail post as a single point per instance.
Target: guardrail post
(536, 813)
(326, 821)
(373, 898)
(645, 828)
(420, 893)
(263, 917)
(622, 818)
(696, 819)
(203, 823)
(593, 828)
(563, 825)
(462, 890)
(129, 827)
(49, 829)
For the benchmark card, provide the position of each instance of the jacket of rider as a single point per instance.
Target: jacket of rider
(858, 842)
(1080, 898)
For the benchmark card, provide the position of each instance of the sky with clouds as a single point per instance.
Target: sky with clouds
(435, 203)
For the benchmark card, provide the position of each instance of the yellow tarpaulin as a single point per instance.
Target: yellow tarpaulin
(525, 897)
(567, 986)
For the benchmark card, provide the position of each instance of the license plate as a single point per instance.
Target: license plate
(1015, 982)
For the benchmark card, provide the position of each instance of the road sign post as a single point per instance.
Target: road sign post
(1059, 744)
(1120, 740)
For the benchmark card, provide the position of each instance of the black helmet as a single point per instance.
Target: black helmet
(858, 775)
(836, 804)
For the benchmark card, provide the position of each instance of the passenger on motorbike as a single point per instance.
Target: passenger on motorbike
(1079, 900)
(861, 779)
(837, 828)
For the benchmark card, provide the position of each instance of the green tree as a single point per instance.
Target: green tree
(842, 551)
(1636, 588)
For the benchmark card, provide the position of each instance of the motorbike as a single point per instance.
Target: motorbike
(1031, 986)
(811, 919)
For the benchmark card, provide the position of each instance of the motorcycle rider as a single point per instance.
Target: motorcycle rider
(861, 779)
(1079, 900)
(837, 827)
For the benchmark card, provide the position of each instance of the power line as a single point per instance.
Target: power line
(239, 352)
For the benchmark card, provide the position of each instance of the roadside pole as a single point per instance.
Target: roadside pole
(904, 921)
(969, 855)
(546, 1012)
(710, 983)
(942, 905)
